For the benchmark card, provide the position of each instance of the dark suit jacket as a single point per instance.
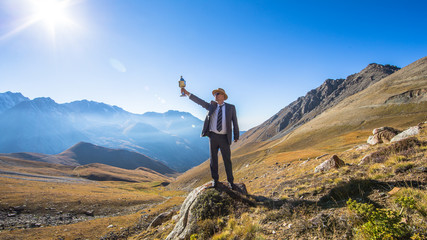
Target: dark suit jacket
(230, 117)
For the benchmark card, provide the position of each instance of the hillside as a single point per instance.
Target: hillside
(86, 153)
(39, 171)
(294, 201)
(348, 123)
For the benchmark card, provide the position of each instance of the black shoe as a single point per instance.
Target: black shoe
(234, 186)
(215, 183)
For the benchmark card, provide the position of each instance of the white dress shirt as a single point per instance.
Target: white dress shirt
(214, 120)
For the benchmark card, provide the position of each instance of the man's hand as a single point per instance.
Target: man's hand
(183, 90)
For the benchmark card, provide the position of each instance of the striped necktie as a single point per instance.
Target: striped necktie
(219, 121)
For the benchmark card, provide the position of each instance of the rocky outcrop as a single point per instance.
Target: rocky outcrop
(382, 135)
(412, 131)
(194, 208)
(333, 162)
(416, 95)
(399, 147)
(316, 101)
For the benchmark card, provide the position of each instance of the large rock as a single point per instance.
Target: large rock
(382, 135)
(412, 131)
(161, 218)
(189, 214)
(333, 162)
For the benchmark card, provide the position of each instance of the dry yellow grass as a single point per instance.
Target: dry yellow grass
(94, 171)
(74, 197)
(105, 198)
(93, 229)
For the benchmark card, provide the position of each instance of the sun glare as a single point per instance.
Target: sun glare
(53, 14)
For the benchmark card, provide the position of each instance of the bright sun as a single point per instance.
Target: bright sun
(52, 13)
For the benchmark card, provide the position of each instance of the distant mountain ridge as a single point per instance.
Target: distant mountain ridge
(84, 153)
(316, 101)
(9, 100)
(43, 126)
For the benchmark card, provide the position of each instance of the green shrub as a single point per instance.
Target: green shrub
(212, 204)
(406, 202)
(419, 202)
(378, 224)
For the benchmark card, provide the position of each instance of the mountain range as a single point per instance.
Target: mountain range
(43, 126)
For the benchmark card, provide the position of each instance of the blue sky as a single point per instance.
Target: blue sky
(265, 54)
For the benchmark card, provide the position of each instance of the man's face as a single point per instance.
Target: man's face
(219, 97)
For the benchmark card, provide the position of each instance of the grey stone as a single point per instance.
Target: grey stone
(382, 135)
(333, 162)
(161, 218)
(187, 218)
(412, 131)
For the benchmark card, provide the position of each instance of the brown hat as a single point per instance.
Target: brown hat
(220, 90)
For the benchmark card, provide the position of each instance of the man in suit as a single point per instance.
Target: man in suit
(219, 126)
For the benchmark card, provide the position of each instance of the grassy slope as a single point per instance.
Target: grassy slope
(283, 169)
(341, 127)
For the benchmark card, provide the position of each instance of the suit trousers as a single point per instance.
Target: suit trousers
(220, 142)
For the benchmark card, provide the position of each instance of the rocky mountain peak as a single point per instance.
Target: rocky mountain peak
(327, 95)
(379, 67)
(10, 99)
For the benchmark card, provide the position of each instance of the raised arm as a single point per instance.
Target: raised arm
(196, 99)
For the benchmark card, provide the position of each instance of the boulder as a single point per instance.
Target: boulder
(412, 131)
(382, 135)
(161, 218)
(333, 162)
(188, 215)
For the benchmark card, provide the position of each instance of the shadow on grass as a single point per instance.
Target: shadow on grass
(360, 189)
(337, 197)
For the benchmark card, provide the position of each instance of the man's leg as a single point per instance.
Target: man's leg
(214, 146)
(226, 157)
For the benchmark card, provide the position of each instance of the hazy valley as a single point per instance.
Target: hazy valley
(43, 126)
